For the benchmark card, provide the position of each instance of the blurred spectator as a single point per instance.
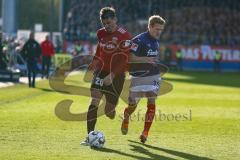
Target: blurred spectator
(168, 56)
(179, 56)
(47, 53)
(77, 49)
(217, 60)
(3, 58)
(31, 52)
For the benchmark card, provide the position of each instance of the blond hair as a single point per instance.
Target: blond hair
(156, 19)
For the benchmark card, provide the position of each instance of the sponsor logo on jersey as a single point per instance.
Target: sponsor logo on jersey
(134, 47)
(152, 53)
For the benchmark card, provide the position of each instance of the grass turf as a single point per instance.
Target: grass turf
(29, 128)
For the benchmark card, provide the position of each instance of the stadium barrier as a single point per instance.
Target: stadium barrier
(9, 75)
(62, 58)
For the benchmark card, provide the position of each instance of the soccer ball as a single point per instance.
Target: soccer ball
(96, 139)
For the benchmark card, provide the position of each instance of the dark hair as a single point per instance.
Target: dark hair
(107, 12)
(31, 34)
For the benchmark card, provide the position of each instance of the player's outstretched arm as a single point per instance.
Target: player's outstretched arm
(134, 59)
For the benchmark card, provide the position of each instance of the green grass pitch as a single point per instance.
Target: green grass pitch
(29, 128)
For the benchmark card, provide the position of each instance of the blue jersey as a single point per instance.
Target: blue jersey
(143, 45)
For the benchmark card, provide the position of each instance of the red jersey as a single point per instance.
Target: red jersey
(47, 48)
(113, 50)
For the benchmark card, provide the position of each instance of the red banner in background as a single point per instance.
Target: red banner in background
(206, 52)
(194, 52)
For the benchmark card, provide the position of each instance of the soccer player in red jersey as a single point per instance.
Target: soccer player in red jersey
(109, 65)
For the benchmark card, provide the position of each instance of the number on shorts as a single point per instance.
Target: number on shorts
(99, 81)
(156, 83)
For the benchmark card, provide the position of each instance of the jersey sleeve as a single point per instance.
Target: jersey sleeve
(97, 54)
(136, 47)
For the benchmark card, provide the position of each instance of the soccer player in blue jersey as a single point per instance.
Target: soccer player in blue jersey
(145, 50)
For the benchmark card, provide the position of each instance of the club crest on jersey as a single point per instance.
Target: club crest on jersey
(126, 44)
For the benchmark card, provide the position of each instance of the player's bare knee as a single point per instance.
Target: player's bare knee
(110, 110)
(151, 100)
(132, 107)
(109, 107)
(132, 101)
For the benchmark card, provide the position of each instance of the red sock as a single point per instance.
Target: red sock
(149, 116)
(128, 111)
